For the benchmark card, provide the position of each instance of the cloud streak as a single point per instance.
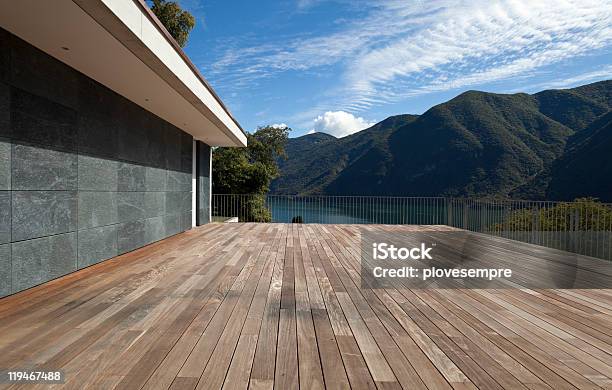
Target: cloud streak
(401, 49)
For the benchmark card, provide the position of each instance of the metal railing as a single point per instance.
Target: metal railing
(583, 226)
(331, 209)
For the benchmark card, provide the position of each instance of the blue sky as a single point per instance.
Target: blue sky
(338, 66)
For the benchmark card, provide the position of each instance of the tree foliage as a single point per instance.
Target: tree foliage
(250, 170)
(178, 22)
(583, 214)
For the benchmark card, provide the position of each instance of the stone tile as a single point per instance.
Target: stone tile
(186, 152)
(174, 181)
(172, 224)
(98, 125)
(174, 202)
(5, 217)
(172, 142)
(203, 216)
(42, 213)
(186, 182)
(96, 245)
(98, 135)
(97, 209)
(154, 229)
(186, 202)
(203, 183)
(40, 260)
(96, 99)
(131, 177)
(156, 147)
(40, 121)
(132, 138)
(39, 168)
(40, 74)
(131, 206)
(203, 158)
(186, 221)
(5, 109)
(155, 179)
(5, 270)
(97, 174)
(155, 204)
(130, 236)
(5, 164)
(179, 181)
(203, 205)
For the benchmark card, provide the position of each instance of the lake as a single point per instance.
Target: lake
(357, 210)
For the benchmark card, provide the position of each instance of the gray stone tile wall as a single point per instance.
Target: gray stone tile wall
(85, 175)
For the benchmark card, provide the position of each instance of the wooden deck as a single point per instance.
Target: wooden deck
(277, 306)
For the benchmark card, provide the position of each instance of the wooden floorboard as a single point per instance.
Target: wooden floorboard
(283, 306)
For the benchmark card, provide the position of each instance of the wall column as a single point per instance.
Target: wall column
(203, 183)
(194, 184)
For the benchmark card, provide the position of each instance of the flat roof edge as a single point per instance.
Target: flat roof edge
(162, 29)
(135, 26)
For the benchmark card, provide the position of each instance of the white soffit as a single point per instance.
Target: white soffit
(119, 44)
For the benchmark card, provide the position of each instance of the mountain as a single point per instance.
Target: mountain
(477, 144)
(314, 161)
(584, 170)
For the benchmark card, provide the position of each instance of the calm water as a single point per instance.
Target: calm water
(358, 210)
(472, 215)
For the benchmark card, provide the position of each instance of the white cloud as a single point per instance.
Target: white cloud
(339, 123)
(604, 72)
(476, 42)
(404, 48)
(279, 125)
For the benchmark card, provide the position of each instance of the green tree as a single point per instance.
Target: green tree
(178, 22)
(582, 214)
(249, 171)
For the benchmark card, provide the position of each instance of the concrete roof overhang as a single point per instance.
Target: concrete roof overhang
(122, 45)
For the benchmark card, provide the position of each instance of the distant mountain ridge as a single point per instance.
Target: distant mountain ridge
(554, 144)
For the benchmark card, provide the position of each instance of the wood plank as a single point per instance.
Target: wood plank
(264, 364)
(286, 375)
(265, 306)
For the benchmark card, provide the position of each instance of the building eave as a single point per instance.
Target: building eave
(122, 45)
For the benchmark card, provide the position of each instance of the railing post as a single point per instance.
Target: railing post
(576, 220)
(536, 225)
(465, 214)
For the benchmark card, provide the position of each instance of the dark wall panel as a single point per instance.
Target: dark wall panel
(85, 174)
(5, 164)
(203, 181)
(5, 110)
(35, 119)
